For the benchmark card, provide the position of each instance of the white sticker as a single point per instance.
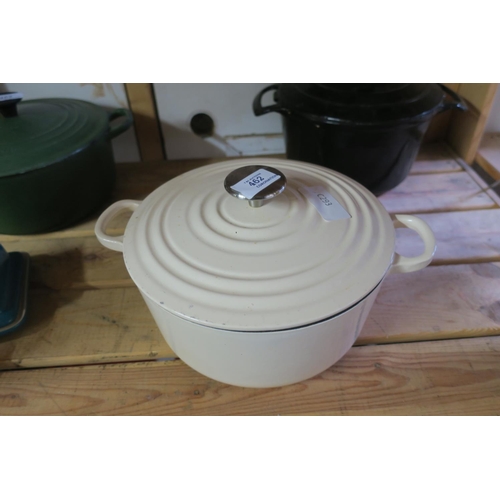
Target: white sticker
(10, 96)
(256, 182)
(327, 206)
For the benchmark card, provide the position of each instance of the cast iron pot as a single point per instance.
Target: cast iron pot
(370, 132)
(56, 161)
(261, 272)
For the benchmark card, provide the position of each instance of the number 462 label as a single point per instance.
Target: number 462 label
(327, 206)
(256, 182)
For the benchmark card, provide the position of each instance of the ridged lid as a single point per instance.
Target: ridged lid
(211, 258)
(45, 131)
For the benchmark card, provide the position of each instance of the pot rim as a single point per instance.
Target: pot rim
(269, 332)
(329, 120)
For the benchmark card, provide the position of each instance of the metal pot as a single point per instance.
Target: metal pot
(261, 275)
(370, 132)
(56, 161)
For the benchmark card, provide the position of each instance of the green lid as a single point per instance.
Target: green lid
(40, 132)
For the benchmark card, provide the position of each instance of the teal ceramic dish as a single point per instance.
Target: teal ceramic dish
(14, 271)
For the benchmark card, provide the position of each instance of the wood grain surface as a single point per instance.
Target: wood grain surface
(488, 155)
(455, 377)
(80, 327)
(108, 325)
(436, 193)
(434, 158)
(436, 303)
(146, 122)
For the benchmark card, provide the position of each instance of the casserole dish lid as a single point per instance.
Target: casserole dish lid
(202, 248)
(39, 132)
(360, 103)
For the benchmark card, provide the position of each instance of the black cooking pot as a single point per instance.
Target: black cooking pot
(368, 131)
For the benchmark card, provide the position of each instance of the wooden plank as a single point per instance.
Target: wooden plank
(490, 168)
(83, 263)
(436, 193)
(488, 156)
(83, 327)
(438, 302)
(456, 377)
(466, 129)
(93, 326)
(434, 158)
(146, 122)
(434, 152)
(77, 263)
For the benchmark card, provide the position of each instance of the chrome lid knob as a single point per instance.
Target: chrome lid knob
(255, 183)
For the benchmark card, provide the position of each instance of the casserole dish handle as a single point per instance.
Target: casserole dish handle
(401, 264)
(113, 242)
(116, 129)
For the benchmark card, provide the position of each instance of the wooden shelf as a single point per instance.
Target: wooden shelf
(488, 156)
(431, 344)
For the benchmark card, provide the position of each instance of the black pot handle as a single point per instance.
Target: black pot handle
(258, 109)
(457, 103)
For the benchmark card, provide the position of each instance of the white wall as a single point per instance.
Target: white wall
(237, 130)
(110, 95)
